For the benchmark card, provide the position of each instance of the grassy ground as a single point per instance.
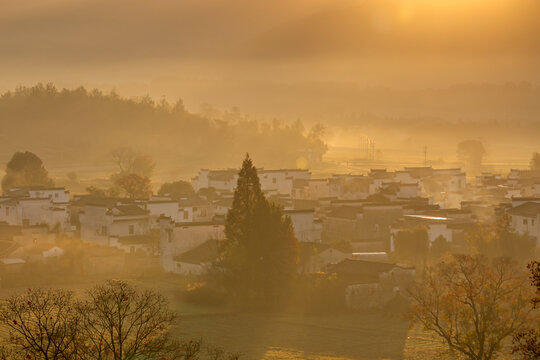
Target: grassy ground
(356, 336)
(286, 336)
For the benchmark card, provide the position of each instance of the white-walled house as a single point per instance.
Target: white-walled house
(279, 181)
(158, 208)
(57, 195)
(33, 211)
(178, 238)
(217, 179)
(306, 227)
(525, 219)
(99, 222)
(436, 226)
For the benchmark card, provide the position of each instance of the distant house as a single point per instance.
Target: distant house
(178, 238)
(161, 207)
(525, 219)
(350, 187)
(366, 226)
(198, 260)
(100, 222)
(276, 181)
(217, 179)
(27, 211)
(372, 284)
(147, 244)
(306, 227)
(316, 257)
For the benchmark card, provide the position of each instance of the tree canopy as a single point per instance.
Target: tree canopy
(471, 153)
(90, 124)
(472, 303)
(176, 189)
(25, 169)
(135, 186)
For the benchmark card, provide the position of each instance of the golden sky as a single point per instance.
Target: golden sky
(398, 43)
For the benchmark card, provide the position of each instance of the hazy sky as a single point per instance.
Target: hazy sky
(182, 48)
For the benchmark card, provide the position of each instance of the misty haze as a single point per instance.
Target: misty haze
(236, 179)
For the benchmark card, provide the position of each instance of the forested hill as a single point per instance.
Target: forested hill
(84, 126)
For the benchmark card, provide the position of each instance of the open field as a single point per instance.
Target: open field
(354, 336)
(286, 336)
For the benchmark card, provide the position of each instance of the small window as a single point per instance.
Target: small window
(186, 215)
(532, 222)
(56, 195)
(274, 180)
(7, 211)
(131, 229)
(103, 230)
(524, 221)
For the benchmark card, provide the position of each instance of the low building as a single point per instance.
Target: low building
(98, 223)
(525, 219)
(178, 238)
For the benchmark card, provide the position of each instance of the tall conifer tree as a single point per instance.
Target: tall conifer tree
(260, 253)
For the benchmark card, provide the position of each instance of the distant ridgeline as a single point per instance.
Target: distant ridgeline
(80, 125)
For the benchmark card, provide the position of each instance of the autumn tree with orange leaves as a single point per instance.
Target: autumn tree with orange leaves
(527, 342)
(472, 303)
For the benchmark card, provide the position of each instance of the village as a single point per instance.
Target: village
(345, 224)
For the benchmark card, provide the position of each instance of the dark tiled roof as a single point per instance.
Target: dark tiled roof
(529, 209)
(204, 253)
(345, 212)
(129, 210)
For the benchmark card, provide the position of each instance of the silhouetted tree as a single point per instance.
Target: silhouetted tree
(115, 321)
(412, 245)
(260, 253)
(42, 324)
(136, 186)
(535, 162)
(25, 169)
(176, 189)
(471, 153)
(143, 165)
(472, 303)
(131, 162)
(123, 158)
(121, 322)
(527, 342)
(72, 177)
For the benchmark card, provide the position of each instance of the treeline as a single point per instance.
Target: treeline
(78, 124)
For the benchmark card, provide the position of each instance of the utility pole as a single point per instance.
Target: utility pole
(425, 155)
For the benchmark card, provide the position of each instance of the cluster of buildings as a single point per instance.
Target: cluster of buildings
(345, 223)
